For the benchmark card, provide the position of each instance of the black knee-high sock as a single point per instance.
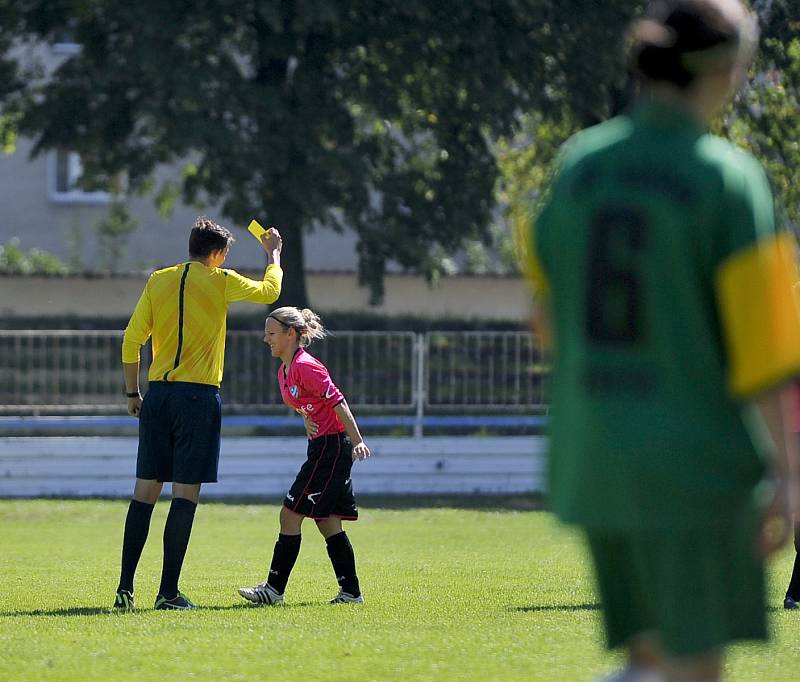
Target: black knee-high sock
(793, 590)
(343, 560)
(176, 539)
(137, 525)
(283, 557)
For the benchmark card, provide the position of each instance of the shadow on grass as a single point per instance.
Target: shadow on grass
(105, 610)
(556, 607)
(265, 607)
(71, 611)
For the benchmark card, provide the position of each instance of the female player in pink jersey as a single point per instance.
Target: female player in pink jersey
(323, 490)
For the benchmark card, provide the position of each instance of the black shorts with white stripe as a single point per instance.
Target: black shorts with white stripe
(323, 487)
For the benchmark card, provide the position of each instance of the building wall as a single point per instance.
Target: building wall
(499, 298)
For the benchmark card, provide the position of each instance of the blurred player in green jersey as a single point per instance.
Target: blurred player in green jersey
(674, 330)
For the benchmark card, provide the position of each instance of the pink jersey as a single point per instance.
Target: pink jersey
(307, 388)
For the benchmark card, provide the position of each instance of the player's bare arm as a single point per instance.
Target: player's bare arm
(130, 371)
(775, 409)
(360, 449)
(310, 425)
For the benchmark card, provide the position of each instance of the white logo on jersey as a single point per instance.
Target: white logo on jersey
(311, 496)
(329, 393)
(294, 391)
(289, 497)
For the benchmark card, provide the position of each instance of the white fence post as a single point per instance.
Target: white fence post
(420, 397)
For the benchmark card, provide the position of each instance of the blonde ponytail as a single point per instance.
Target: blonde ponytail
(305, 322)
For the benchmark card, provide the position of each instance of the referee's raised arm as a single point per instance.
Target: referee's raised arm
(267, 290)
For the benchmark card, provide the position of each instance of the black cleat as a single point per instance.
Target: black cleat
(180, 602)
(790, 603)
(124, 600)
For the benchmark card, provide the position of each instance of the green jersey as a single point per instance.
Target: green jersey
(671, 300)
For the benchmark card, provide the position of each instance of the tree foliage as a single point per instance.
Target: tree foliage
(377, 115)
(374, 114)
(763, 117)
(14, 260)
(113, 232)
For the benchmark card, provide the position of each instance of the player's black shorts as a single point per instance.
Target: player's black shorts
(323, 487)
(179, 432)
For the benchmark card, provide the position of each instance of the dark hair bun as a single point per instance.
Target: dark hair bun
(662, 64)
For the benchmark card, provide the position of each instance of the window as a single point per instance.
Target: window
(64, 170)
(64, 43)
(66, 49)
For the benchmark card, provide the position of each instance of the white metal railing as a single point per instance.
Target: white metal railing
(78, 372)
(483, 370)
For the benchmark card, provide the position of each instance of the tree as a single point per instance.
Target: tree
(763, 118)
(114, 231)
(377, 115)
(374, 114)
(10, 82)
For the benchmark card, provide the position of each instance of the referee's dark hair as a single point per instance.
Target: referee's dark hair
(207, 237)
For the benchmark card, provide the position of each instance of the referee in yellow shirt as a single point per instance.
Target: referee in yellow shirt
(184, 309)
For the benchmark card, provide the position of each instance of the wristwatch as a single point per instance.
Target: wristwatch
(132, 395)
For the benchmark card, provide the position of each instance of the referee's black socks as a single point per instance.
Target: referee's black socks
(793, 590)
(283, 557)
(176, 539)
(137, 525)
(341, 554)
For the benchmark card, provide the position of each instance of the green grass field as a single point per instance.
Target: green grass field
(452, 594)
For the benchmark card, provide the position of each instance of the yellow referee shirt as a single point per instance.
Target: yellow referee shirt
(184, 308)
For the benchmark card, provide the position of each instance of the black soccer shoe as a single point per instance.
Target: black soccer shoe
(180, 602)
(124, 600)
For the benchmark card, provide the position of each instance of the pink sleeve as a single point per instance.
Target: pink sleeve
(317, 381)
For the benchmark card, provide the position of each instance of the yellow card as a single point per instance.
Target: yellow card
(256, 230)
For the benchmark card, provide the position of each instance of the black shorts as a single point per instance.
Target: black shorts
(179, 433)
(323, 487)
